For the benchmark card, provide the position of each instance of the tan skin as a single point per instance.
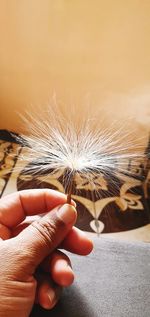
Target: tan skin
(32, 268)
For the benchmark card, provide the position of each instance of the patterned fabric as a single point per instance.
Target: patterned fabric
(112, 204)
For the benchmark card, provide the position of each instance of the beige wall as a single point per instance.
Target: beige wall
(83, 50)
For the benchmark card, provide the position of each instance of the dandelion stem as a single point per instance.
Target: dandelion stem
(70, 190)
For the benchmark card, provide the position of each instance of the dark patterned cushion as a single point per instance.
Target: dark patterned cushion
(116, 203)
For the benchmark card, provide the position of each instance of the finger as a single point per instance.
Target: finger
(40, 238)
(59, 266)
(16, 230)
(5, 233)
(15, 207)
(48, 293)
(77, 242)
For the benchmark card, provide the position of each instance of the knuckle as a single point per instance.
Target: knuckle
(47, 229)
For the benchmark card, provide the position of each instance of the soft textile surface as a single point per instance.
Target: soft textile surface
(114, 281)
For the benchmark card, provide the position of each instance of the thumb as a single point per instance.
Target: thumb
(40, 238)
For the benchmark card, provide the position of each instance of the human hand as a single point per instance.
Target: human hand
(31, 268)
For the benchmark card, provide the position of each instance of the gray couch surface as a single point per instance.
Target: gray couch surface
(113, 281)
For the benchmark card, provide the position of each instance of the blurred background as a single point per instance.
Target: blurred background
(87, 51)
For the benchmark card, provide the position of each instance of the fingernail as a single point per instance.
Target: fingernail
(73, 203)
(52, 296)
(67, 213)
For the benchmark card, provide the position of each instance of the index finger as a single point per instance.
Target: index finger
(15, 207)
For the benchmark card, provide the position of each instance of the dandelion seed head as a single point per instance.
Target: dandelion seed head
(90, 159)
(59, 144)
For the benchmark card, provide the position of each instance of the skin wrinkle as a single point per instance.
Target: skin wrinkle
(46, 234)
(16, 286)
(44, 231)
(47, 228)
(17, 256)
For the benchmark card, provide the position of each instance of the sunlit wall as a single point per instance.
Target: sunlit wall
(88, 51)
